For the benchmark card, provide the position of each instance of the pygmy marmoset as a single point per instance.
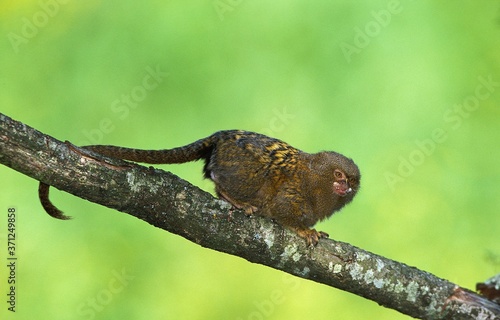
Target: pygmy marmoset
(260, 175)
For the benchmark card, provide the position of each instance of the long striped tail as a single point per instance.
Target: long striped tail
(200, 149)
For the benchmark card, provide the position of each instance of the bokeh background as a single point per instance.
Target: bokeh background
(409, 89)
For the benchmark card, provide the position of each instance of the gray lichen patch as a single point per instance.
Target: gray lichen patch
(379, 283)
(369, 276)
(334, 267)
(267, 235)
(223, 205)
(362, 256)
(380, 265)
(398, 287)
(412, 290)
(290, 252)
(356, 271)
(304, 272)
(339, 249)
(337, 268)
(136, 183)
(296, 256)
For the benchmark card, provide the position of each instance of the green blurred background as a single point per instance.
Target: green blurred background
(410, 90)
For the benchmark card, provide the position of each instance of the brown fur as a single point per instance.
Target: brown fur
(261, 175)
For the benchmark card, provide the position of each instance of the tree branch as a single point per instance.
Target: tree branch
(168, 202)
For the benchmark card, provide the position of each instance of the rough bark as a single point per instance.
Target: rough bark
(168, 202)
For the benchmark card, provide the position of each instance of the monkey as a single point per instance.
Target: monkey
(258, 174)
